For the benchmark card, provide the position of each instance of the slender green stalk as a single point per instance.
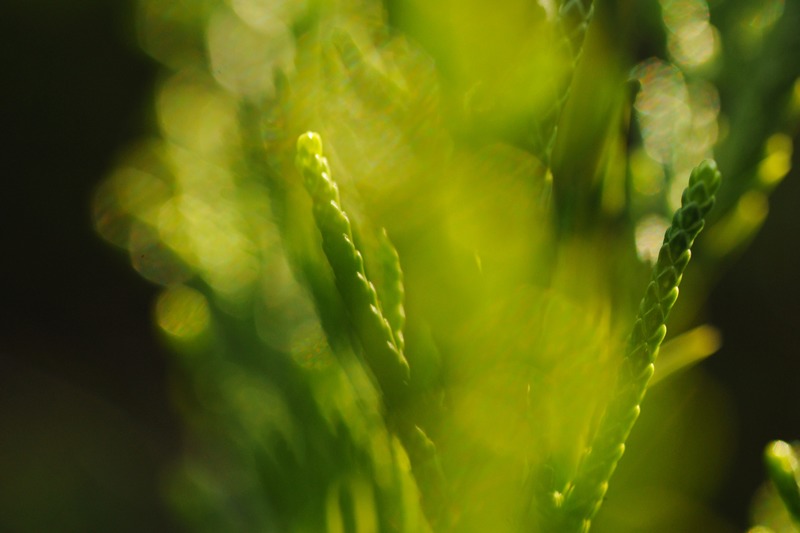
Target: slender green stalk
(783, 467)
(381, 351)
(380, 332)
(571, 21)
(581, 499)
(392, 291)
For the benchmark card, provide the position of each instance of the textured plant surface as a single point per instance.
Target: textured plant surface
(783, 468)
(448, 318)
(581, 499)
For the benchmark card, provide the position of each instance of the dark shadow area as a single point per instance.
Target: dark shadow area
(755, 305)
(87, 427)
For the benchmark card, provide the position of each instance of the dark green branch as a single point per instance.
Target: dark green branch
(581, 499)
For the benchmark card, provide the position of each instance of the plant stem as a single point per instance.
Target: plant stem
(579, 501)
(783, 466)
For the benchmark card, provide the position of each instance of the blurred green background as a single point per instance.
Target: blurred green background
(86, 423)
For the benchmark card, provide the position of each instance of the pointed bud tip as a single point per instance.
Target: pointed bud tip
(309, 144)
(707, 173)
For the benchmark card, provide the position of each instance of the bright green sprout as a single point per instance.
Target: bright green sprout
(381, 350)
(783, 466)
(584, 496)
(380, 332)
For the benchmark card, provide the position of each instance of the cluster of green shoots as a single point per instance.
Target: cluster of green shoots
(447, 320)
(571, 508)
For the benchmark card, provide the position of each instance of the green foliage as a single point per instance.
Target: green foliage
(581, 499)
(483, 368)
(381, 349)
(784, 470)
